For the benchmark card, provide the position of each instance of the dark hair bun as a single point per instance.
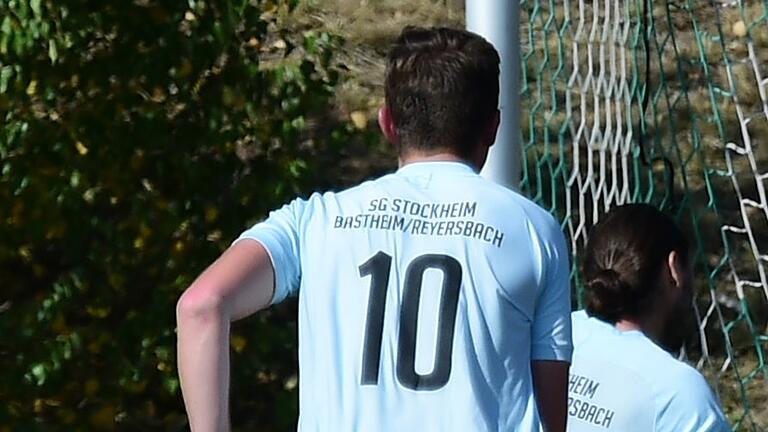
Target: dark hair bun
(606, 296)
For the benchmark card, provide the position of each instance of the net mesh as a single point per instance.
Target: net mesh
(663, 102)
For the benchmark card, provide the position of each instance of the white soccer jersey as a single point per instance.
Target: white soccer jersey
(622, 381)
(423, 297)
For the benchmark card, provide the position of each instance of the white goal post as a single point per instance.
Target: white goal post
(498, 21)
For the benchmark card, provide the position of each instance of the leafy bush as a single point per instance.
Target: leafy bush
(136, 141)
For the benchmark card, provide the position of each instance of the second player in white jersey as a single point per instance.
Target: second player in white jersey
(425, 289)
(638, 287)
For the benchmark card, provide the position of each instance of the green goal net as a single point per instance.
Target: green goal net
(663, 102)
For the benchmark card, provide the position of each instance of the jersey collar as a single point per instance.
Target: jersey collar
(442, 167)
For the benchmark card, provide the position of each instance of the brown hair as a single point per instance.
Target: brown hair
(625, 254)
(442, 88)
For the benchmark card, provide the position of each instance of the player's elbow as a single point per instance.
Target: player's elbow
(199, 303)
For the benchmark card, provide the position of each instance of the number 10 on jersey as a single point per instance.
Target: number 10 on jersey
(378, 268)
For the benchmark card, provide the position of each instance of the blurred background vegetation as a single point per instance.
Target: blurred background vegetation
(137, 140)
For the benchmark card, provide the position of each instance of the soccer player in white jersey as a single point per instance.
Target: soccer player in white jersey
(638, 298)
(430, 299)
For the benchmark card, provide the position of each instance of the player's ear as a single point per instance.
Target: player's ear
(677, 269)
(489, 134)
(387, 125)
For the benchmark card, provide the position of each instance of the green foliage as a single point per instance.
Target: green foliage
(137, 139)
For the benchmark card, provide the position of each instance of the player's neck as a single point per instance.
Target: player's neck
(652, 328)
(415, 157)
(626, 325)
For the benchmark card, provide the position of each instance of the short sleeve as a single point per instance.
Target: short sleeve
(693, 407)
(551, 330)
(279, 234)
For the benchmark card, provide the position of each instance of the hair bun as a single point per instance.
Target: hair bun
(606, 295)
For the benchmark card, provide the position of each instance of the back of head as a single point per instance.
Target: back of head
(625, 255)
(442, 89)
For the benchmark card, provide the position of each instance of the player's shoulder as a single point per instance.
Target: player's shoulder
(321, 200)
(509, 197)
(685, 400)
(582, 326)
(630, 350)
(579, 316)
(580, 321)
(672, 378)
(684, 381)
(361, 190)
(505, 201)
(656, 369)
(595, 338)
(678, 394)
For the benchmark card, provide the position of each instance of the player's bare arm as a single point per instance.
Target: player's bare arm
(550, 381)
(238, 284)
